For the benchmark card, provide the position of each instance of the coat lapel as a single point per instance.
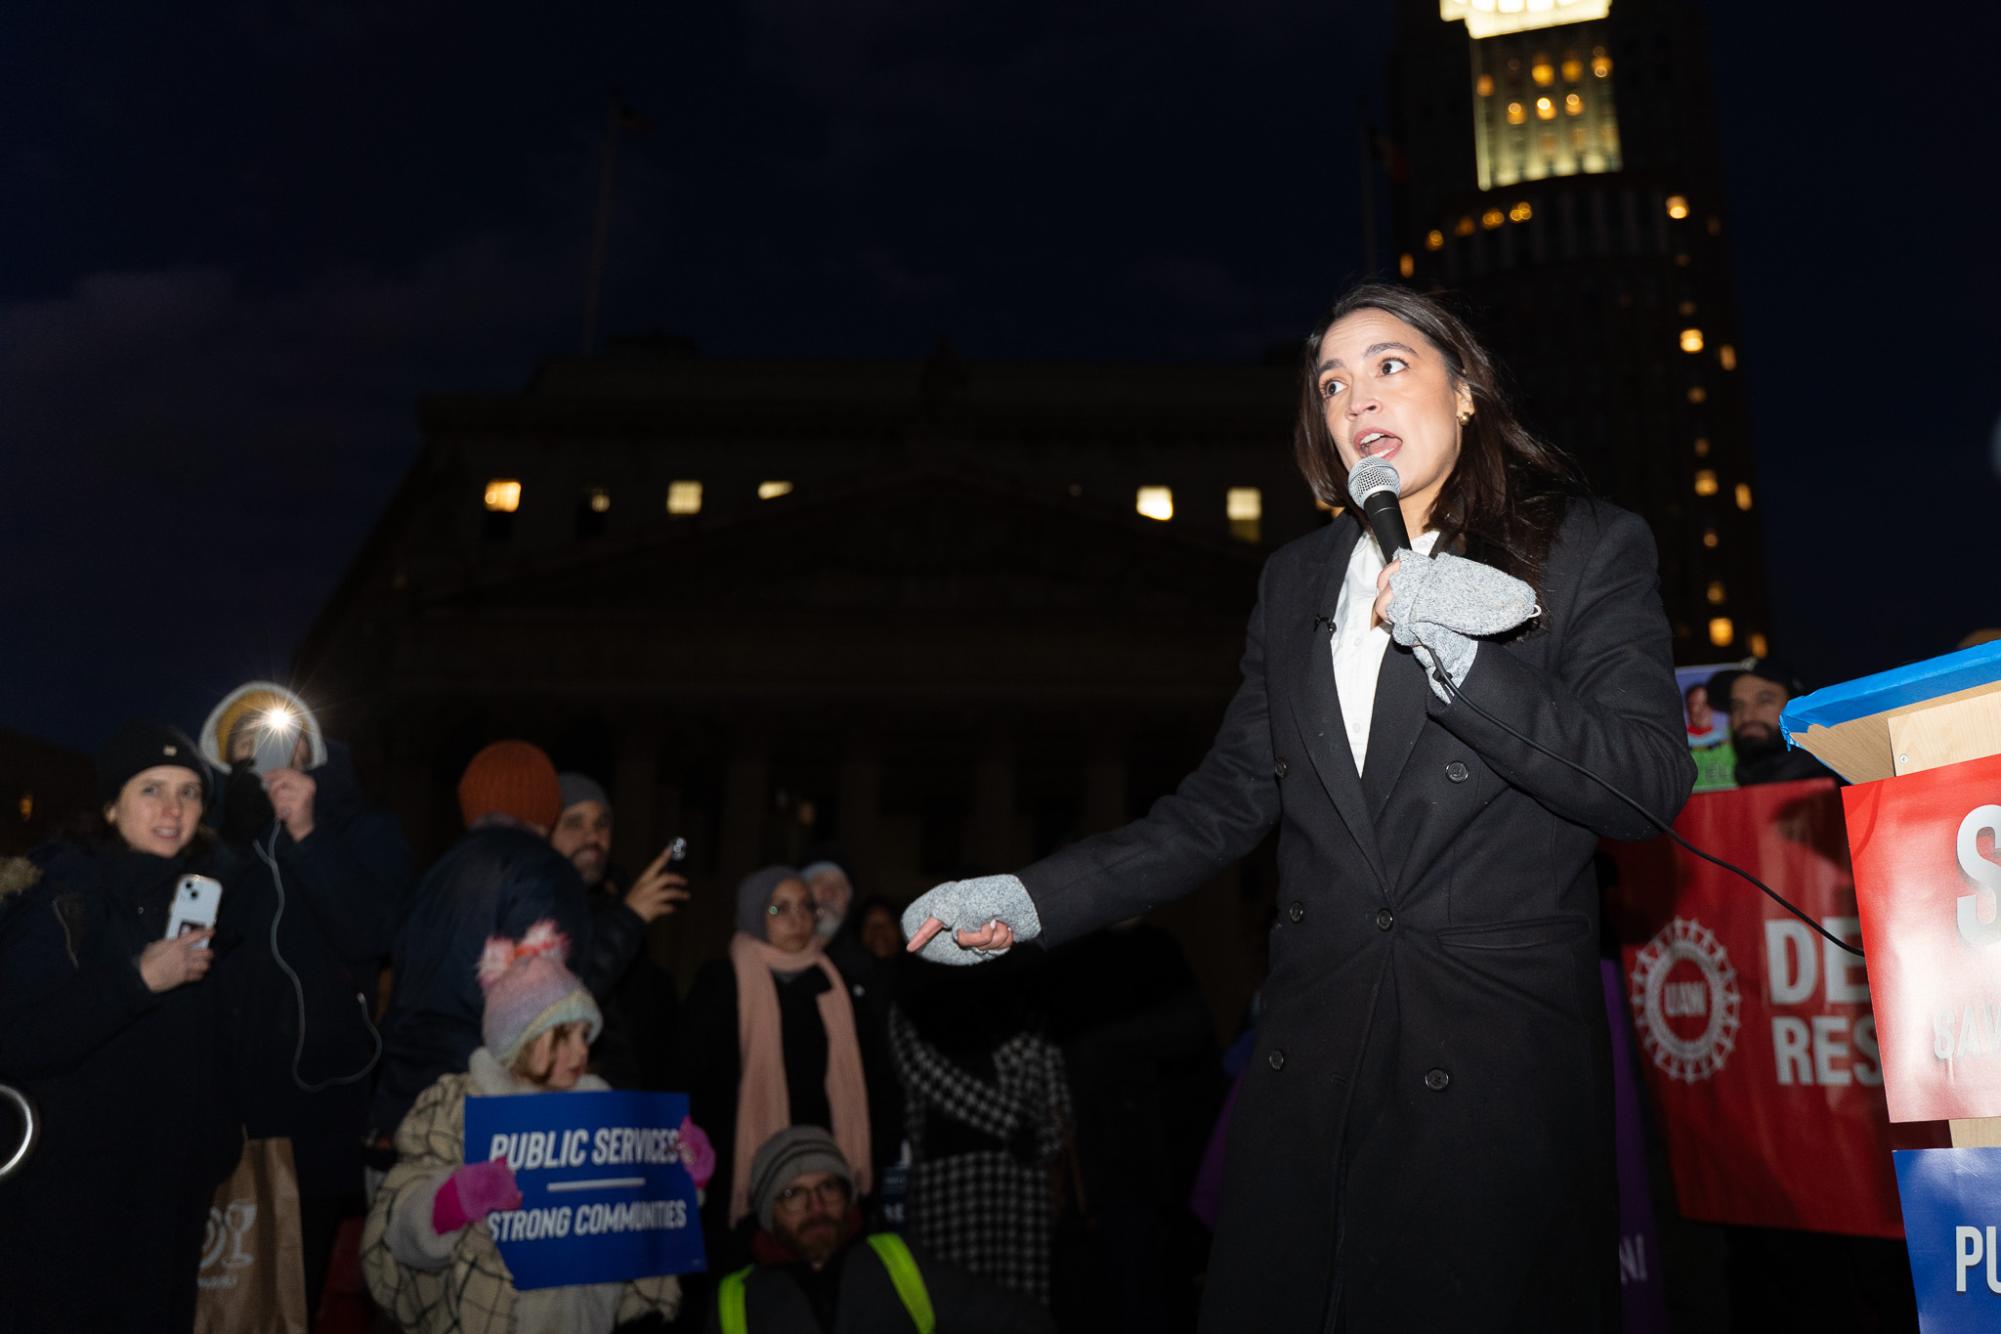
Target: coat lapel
(1316, 704)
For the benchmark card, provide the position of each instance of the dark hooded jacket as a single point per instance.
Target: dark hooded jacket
(138, 1114)
(333, 901)
(499, 879)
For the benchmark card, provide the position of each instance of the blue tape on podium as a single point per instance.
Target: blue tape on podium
(1912, 684)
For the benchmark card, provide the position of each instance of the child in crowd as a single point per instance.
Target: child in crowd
(427, 1253)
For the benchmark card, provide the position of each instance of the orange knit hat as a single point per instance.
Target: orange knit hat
(511, 778)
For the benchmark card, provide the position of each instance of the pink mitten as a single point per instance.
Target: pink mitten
(471, 1193)
(697, 1154)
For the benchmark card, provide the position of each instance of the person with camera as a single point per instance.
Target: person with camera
(112, 1022)
(334, 873)
(636, 994)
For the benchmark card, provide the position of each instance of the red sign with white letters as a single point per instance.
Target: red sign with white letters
(1755, 1033)
(1928, 873)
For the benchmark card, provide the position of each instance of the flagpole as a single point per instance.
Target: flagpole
(602, 232)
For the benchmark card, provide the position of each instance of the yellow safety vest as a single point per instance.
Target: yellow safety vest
(888, 1248)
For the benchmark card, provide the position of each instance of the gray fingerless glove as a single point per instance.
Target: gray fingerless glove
(968, 905)
(1439, 604)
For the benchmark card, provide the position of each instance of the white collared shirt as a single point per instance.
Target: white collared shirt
(1359, 644)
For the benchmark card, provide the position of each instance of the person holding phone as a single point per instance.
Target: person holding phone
(112, 1022)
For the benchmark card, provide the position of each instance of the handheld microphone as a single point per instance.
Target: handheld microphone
(1373, 484)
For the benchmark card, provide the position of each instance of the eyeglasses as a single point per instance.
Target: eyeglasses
(801, 908)
(832, 1194)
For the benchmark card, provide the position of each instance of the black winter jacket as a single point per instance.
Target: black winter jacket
(334, 900)
(497, 880)
(102, 1229)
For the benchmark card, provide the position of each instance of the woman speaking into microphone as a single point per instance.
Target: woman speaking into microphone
(1424, 1138)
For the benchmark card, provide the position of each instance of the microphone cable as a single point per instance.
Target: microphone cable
(269, 856)
(1438, 674)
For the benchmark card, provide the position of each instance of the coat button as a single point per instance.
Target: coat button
(1297, 912)
(1276, 1060)
(1436, 1079)
(1278, 768)
(1457, 772)
(1385, 919)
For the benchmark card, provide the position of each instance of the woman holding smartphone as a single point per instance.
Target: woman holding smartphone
(119, 1036)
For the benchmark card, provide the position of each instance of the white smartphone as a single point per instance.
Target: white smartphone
(196, 900)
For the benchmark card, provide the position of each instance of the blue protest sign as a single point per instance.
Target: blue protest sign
(1952, 1221)
(604, 1196)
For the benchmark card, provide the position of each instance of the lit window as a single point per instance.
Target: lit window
(1691, 340)
(1492, 218)
(1726, 357)
(684, 497)
(600, 499)
(1156, 502)
(1573, 69)
(1545, 109)
(1521, 212)
(1434, 240)
(1710, 540)
(1686, 308)
(1573, 105)
(503, 495)
(1543, 73)
(1406, 265)
(1759, 647)
(773, 490)
(1697, 394)
(27, 807)
(1464, 227)
(1715, 225)
(1743, 495)
(1702, 447)
(1677, 207)
(1705, 482)
(1681, 261)
(1721, 631)
(1715, 593)
(1601, 65)
(1245, 506)
(1484, 85)
(1516, 113)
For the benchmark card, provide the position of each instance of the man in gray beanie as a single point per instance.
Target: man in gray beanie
(817, 1272)
(638, 994)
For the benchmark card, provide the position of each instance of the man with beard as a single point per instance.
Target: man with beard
(817, 1272)
(637, 995)
(1757, 694)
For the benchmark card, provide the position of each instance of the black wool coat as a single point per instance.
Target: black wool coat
(1424, 1138)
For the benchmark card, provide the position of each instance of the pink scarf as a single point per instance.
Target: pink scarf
(763, 1103)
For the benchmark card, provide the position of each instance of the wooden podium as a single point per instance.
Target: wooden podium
(1934, 713)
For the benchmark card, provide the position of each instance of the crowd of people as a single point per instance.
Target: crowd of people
(857, 1116)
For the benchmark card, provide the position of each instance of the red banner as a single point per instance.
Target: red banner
(1756, 1035)
(1929, 873)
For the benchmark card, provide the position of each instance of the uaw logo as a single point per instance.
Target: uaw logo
(1685, 1001)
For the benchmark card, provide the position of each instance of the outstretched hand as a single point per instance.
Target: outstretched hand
(992, 938)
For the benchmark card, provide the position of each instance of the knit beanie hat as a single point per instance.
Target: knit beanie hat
(577, 788)
(511, 778)
(753, 896)
(787, 1156)
(251, 702)
(141, 746)
(529, 991)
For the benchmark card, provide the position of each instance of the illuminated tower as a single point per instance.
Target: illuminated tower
(1558, 167)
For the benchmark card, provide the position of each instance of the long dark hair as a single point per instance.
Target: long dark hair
(1505, 497)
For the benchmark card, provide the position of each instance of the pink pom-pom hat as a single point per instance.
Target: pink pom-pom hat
(529, 991)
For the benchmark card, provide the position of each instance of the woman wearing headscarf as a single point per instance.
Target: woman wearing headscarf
(767, 1040)
(121, 1038)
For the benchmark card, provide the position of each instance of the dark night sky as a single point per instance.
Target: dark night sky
(238, 244)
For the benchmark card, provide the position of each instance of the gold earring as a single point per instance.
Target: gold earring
(1465, 417)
